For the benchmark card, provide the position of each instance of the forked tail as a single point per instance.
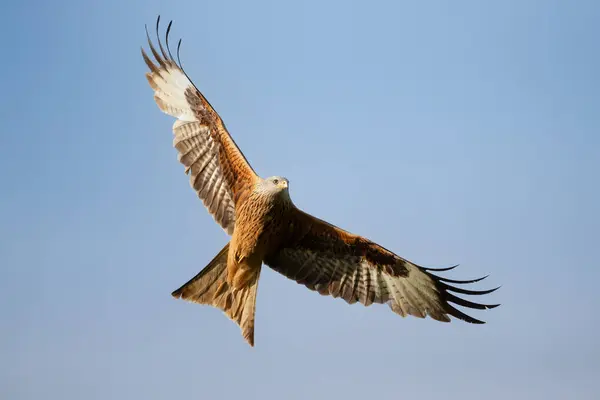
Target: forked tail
(210, 287)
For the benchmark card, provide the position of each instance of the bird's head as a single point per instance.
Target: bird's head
(275, 185)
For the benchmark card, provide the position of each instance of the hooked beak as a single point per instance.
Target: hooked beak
(283, 184)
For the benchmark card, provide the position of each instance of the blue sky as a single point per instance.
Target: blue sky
(463, 132)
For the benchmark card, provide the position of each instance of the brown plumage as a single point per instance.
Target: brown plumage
(266, 227)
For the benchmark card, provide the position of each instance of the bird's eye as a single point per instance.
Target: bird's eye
(276, 181)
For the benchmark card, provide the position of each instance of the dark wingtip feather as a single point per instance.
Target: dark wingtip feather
(462, 316)
(147, 35)
(178, 47)
(157, 56)
(469, 292)
(167, 39)
(461, 282)
(469, 304)
(441, 269)
(162, 50)
(444, 288)
(150, 64)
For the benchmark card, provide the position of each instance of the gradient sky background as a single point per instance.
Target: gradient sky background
(451, 132)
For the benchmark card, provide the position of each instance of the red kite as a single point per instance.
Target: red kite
(266, 227)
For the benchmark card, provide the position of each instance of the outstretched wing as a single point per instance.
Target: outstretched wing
(219, 172)
(334, 262)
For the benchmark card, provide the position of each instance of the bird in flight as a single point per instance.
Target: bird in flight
(267, 228)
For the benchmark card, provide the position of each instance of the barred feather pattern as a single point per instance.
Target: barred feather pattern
(199, 154)
(333, 262)
(210, 287)
(217, 169)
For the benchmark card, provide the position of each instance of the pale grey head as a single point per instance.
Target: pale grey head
(274, 185)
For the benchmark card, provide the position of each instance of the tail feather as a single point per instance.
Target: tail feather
(210, 287)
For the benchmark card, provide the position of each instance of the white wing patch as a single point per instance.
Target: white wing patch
(169, 93)
(198, 152)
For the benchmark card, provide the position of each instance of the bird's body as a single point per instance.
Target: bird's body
(267, 228)
(260, 225)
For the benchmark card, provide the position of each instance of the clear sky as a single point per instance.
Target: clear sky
(450, 132)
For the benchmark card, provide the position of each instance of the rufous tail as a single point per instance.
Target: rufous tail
(210, 287)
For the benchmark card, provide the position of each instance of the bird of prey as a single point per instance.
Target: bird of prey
(267, 228)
